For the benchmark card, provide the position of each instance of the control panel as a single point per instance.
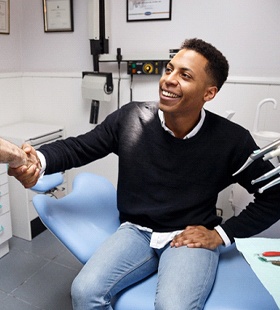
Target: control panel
(147, 67)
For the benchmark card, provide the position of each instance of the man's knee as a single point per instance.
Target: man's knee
(78, 291)
(87, 293)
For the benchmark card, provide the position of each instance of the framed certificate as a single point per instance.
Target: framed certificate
(5, 16)
(58, 15)
(146, 10)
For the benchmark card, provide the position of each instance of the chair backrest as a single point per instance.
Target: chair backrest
(83, 219)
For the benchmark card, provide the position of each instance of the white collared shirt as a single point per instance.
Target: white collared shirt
(192, 133)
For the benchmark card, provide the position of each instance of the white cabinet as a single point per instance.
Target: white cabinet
(25, 221)
(5, 216)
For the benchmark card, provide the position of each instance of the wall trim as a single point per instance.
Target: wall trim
(254, 80)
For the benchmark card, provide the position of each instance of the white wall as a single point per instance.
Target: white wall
(246, 31)
(10, 51)
(54, 52)
(40, 73)
(10, 98)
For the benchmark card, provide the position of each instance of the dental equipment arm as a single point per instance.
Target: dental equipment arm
(267, 175)
(272, 183)
(259, 153)
(272, 154)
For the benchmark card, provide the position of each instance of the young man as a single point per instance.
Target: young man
(174, 159)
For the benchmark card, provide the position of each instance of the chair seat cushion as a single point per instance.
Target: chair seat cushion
(236, 288)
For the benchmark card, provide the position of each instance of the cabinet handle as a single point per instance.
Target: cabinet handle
(1, 229)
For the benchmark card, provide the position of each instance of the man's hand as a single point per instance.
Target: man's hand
(29, 173)
(32, 157)
(197, 237)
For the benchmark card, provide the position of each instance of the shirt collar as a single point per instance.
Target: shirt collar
(193, 132)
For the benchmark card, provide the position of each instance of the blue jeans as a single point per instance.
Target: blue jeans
(185, 275)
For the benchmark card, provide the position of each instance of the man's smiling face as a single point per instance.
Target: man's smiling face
(184, 87)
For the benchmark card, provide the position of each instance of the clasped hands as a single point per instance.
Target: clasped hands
(197, 237)
(28, 173)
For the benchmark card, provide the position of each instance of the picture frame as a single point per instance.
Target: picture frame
(4, 16)
(58, 15)
(147, 10)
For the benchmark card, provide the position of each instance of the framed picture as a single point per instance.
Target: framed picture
(58, 15)
(147, 10)
(5, 16)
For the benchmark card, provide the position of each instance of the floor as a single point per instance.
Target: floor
(37, 274)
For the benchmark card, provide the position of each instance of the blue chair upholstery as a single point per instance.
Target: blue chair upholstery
(48, 182)
(83, 219)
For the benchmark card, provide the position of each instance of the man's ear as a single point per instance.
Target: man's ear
(210, 93)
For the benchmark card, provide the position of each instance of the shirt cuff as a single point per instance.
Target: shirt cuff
(43, 162)
(223, 235)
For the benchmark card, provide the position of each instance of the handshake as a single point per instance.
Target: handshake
(24, 163)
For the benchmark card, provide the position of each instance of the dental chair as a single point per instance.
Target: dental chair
(88, 215)
(48, 183)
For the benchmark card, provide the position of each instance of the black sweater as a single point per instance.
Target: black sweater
(166, 183)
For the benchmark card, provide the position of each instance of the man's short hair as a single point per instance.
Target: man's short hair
(217, 66)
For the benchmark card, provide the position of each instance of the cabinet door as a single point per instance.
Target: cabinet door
(4, 204)
(5, 227)
(4, 189)
(3, 168)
